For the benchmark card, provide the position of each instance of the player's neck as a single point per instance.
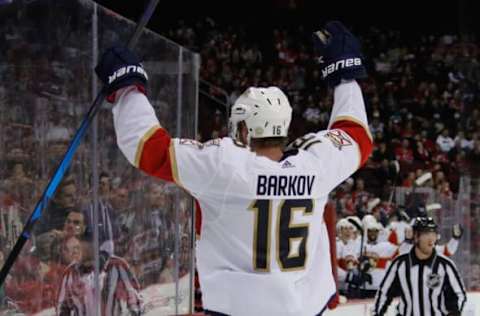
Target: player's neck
(273, 153)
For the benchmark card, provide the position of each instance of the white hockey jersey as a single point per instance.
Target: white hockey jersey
(347, 251)
(347, 257)
(381, 254)
(264, 246)
(396, 231)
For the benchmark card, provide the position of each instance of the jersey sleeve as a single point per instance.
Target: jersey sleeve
(149, 147)
(393, 237)
(196, 165)
(346, 145)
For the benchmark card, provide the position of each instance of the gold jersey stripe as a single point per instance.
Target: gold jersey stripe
(173, 163)
(141, 143)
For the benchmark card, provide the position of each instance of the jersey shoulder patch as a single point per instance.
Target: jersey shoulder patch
(338, 138)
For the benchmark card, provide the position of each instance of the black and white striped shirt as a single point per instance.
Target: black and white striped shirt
(431, 287)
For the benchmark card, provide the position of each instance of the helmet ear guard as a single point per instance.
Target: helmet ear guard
(265, 111)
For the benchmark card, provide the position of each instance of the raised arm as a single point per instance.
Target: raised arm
(342, 63)
(142, 139)
(347, 143)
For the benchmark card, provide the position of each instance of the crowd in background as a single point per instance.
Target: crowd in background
(422, 99)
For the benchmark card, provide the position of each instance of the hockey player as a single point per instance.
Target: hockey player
(397, 228)
(347, 250)
(347, 245)
(379, 254)
(356, 243)
(264, 245)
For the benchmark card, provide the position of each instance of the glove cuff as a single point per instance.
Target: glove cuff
(346, 68)
(112, 97)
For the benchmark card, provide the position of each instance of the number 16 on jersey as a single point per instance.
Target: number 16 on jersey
(291, 239)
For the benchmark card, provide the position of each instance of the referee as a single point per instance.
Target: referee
(427, 282)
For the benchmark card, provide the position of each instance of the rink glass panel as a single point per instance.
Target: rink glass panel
(46, 86)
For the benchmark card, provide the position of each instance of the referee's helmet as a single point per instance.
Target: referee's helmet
(424, 224)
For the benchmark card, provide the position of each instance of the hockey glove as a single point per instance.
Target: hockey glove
(119, 67)
(340, 54)
(457, 231)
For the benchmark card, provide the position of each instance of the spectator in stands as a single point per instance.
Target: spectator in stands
(359, 197)
(421, 154)
(33, 279)
(54, 241)
(146, 236)
(105, 213)
(124, 221)
(404, 153)
(70, 251)
(376, 126)
(409, 180)
(74, 224)
(64, 199)
(19, 184)
(464, 141)
(119, 290)
(445, 142)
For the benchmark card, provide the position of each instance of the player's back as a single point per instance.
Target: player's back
(263, 234)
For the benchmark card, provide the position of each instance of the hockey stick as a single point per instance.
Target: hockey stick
(394, 183)
(67, 158)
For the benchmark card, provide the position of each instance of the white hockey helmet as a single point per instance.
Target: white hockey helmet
(266, 112)
(370, 222)
(343, 223)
